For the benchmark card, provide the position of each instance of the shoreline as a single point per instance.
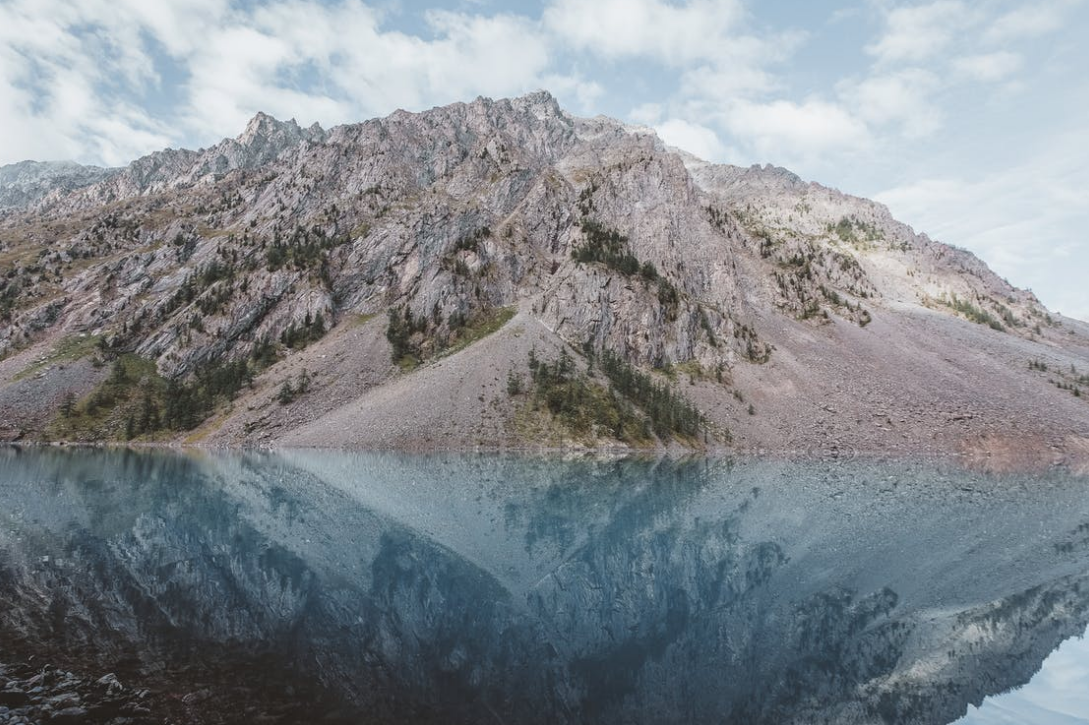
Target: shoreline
(1047, 460)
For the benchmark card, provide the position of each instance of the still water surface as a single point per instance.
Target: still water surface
(466, 588)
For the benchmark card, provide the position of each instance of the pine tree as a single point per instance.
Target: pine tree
(286, 394)
(68, 404)
(118, 375)
(149, 414)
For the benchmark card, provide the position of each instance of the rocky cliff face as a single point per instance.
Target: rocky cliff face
(746, 283)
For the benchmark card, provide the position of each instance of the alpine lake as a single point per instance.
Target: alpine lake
(316, 586)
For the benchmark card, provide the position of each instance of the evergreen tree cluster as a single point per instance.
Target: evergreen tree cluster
(705, 323)
(855, 231)
(202, 286)
(311, 330)
(670, 413)
(611, 248)
(471, 242)
(186, 404)
(11, 289)
(264, 353)
(303, 249)
(289, 391)
(401, 333)
(414, 339)
(605, 246)
(1071, 381)
(134, 400)
(583, 406)
(213, 301)
(975, 314)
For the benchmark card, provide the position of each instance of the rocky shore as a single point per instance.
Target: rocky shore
(34, 692)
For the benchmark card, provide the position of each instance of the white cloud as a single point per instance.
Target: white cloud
(919, 32)
(987, 67)
(724, 81)
(783, 130)
(365, 69)
(693, 138)
(900, 98)
(236, 75)
(915, 70)
(567, 88)
(64, 68)
(647, 114)
(672, 34)
(1028, 21)
(73, 75)
(706, 41)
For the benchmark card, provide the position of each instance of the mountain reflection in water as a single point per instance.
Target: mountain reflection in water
(466, 588)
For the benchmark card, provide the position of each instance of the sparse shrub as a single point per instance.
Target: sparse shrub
(514, 383)
(290, 392)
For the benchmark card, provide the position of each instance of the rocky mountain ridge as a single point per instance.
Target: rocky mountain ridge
(25, 183)
(332, 287)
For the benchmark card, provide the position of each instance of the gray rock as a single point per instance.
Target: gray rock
(69, 716)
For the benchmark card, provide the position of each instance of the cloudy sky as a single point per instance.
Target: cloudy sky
(1056, 695)
(970, 119)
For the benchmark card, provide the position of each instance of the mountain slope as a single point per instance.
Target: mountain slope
(328, 287)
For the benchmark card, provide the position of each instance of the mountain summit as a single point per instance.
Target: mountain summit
(503, 274)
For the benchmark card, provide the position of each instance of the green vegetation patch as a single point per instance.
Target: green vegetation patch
(134, 401)
(972, 313)
(303, 249)
(1074, 382)
(585, 408)
(131, 397)
(416, 339)
(312, 329)
(855, 232)
(611, 248)
(70, 349)
(671, 414)
(479, 327)
(632, 407)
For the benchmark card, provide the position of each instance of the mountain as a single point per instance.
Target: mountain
(27, 182)
(501, 273)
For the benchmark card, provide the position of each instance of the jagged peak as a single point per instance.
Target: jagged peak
(541, 103)
(263, 125)
(541, 96)
(776, 171)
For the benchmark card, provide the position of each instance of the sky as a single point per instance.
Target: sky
(969, 119)
(1056, 695)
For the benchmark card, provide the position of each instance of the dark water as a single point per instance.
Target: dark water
(371, 588)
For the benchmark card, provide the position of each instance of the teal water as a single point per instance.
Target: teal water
(471, 588)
